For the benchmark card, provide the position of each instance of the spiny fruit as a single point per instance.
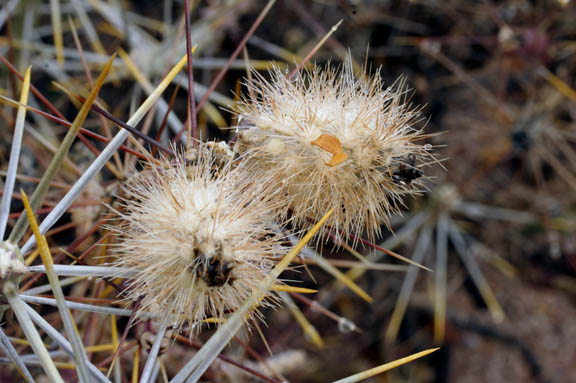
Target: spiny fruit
(329, 140)
(198, 241)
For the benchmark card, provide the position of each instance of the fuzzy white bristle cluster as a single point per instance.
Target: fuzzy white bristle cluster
(329, 140)
(199, 243)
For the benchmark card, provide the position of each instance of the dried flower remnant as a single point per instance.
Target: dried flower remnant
(200, 243)
(329, 140)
